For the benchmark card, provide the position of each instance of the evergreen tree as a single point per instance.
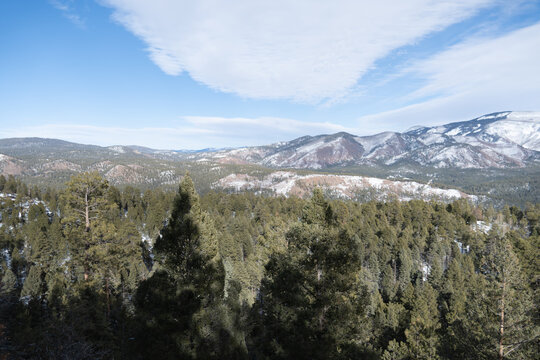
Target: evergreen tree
(33, 286)
(396, 351)
(85, 202)
(182, 306)
(9, 282)
(422, 333)
(311, 305)
(510, 298)
(467, 314)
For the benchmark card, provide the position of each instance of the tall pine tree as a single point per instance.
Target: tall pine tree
(311, 304)
(182, 306)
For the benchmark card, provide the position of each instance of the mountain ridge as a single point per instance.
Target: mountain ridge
(489, 156)
(490, 141)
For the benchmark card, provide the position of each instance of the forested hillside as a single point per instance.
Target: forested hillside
(91, 271)
(51, 163)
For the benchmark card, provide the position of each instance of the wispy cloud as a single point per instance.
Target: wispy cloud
(304, 50)
(263, 128)
(66, 7)
(478, 76)
(196, 132)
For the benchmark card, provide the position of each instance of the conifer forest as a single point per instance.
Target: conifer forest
(91, 271)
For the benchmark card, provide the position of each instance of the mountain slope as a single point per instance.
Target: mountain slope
(498, 140)
(340, 186)
(495, 156)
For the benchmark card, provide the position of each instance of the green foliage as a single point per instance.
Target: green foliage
(312, 304)
(9, 282)
(85, 198)
(33, 285)
(422, 334)
(183, 305)
(237, 275)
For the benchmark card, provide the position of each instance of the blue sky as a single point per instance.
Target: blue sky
(187, 75)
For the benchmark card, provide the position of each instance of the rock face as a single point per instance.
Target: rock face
(498, 140)
(10, 166)
(288, 183)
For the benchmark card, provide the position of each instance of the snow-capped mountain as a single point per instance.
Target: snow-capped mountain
(498, 140)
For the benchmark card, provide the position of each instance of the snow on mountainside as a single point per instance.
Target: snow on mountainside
(507, 139)
(349, 187)
(498, 140)
(526, 133)
(340, 148)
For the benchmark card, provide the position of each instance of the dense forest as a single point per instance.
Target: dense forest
(93, 271)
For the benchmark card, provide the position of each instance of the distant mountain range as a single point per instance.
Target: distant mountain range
(498, 140)
(493, 156)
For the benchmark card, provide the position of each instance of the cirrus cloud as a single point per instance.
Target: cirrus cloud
(303, 50)
(192, 132)
(479, 76)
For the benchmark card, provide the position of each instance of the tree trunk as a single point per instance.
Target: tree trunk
(501, 327)
(108, 296)
(322, 314)
(86, 212)
(87, 229)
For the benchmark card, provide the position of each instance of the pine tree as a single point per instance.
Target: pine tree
(396, 351)
(9, 282)
(85, 197)
(85, 202)
(182, 305)
(422, 333)
(312, 305)
(33, 286)
(489, 310)
(510, 297)
(2, 182)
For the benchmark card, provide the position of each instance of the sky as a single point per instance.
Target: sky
(175, 74)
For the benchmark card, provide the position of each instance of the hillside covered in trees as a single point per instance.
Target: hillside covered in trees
(94, 272)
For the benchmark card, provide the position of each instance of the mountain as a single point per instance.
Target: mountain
(496, 156)
(498, 140)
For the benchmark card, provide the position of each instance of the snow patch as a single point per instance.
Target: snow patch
(483, 227)
(343, 186)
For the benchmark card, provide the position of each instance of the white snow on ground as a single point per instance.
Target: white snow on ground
(497, 140)
(483, 226)
(7, 257)
(426, 270)
(146, 239)
(371, 142)
(311, 147)
(527, 134)
(308, 155)
(118, 148)
(494, 116)
(462, 249)
(458, 156)
(288, 183)
(429, 139)
(454, 132)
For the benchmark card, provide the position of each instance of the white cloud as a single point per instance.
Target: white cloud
(67, 10)
(196, 133)
(263, 128)
(303, 50)
(470, 79)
